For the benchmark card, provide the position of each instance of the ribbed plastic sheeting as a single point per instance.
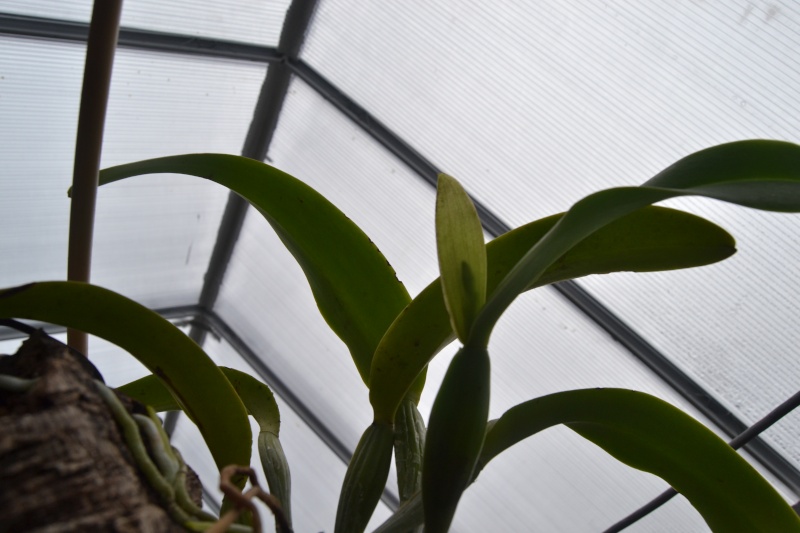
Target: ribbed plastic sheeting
(531, 106)
(153, 235)
(543, 344)
(535, 105)
(252, 21)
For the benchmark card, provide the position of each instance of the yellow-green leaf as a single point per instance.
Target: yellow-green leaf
(649, 239)
(356, 289)
(462, 255)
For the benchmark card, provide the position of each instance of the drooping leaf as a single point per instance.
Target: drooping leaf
(356, 289)
(256, 397)
(260, 404)
(462, 255)
(759, 174)
(652, 435)
(455, 435)
(649, 239)
(192, 378)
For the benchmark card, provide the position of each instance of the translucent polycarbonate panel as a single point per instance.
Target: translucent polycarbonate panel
(253, 21)
(535, 105)
(542, 345)
(153, 235)
(389, 203)
(316, 472)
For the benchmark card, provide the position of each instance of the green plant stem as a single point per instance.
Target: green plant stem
(102, 43)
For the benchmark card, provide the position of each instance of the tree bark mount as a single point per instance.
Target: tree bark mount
(64, 465)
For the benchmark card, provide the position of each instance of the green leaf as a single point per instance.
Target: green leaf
(462, 255)
(150, 390)
(455, 435)
(649, 239)
(356, 289)
(256, 397)
(652, 435)
(759, 174)
(192, 378)
(260, 404)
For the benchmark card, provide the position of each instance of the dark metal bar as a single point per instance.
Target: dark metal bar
(743, 438)
(216, 324)
(44, 28)
(571, 290)
(211, 502)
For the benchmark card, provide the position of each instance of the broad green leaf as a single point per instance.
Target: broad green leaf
(462, 255)
(759, 174)
(356, 289)
(256, 397)
(652, 435)
(649, 239)
(192, 378)
(260, 404)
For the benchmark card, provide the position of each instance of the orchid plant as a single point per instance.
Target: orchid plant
(392, 338)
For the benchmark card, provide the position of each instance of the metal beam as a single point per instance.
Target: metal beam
(44, 28)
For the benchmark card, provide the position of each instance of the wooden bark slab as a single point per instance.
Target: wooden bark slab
(63, 463)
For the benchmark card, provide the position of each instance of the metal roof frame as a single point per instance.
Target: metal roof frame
(284, 62)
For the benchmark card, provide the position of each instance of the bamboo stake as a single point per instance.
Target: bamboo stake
(100, 49)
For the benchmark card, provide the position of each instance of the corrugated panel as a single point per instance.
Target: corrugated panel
(153, 235)
(533, 106)
(542, 345)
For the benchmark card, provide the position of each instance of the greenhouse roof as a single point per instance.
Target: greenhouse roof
(532, 106)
